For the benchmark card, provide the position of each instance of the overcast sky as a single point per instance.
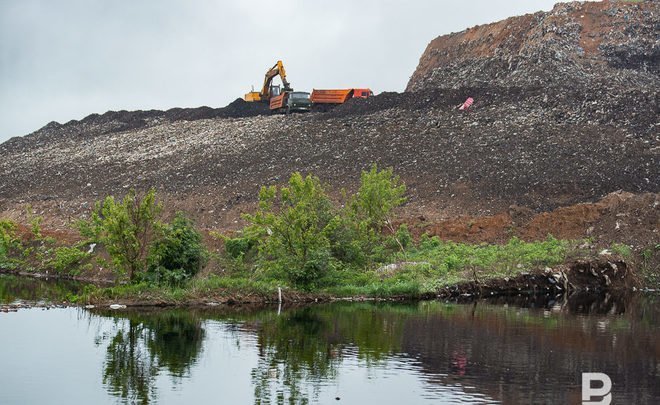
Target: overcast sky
(65, 59)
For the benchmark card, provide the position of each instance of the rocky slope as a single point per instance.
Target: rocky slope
(575, 44)
(547, 130)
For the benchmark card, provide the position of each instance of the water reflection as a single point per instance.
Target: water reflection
(146, 343)
(520, 350)
(303, 348)
(530, 350)
(24, 289)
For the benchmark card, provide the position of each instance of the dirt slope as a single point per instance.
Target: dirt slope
(575, 43)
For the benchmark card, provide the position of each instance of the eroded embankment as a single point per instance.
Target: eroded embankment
(595, 275)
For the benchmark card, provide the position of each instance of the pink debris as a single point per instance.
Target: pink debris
(466, 104)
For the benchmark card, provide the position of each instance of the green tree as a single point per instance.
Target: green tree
(302, 237)
(295, 222)
(179, 254)
(126, 229)
(7, 236)
(370, 210)
(380, 192)
(10, 244)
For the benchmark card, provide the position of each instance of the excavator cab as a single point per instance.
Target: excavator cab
(269, 90)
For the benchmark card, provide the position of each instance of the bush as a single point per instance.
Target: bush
(380, 192)
(239, 247)
(403, 236)
(126, 229)
(295, 222)
(66, 259)
(178, 255)
(301, 237)
(369, 211)
(9, 243)
(7, 236)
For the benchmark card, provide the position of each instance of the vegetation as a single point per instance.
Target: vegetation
(31, 251)
(67, 259)
(292, 230)
(141, 246)
(649, 264)
(178, 254)
(9, 243)
(126, 229)
(301, 237)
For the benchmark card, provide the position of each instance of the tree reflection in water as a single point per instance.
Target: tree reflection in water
(514, 351)
(305, 347)
(144, 345)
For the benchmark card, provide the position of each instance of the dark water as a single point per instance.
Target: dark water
(529, 351)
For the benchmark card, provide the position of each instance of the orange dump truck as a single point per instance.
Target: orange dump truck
(338, 96)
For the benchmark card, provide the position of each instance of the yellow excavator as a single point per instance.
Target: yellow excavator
(268, 90)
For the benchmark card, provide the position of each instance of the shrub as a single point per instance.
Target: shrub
(380, 192)
(7, 235)
(239, 247)
(345, 242)
(66, 259)
(403, 236)
(9, 243)
(295, 222)
(301, 237)
(126, 229)
(178, 255)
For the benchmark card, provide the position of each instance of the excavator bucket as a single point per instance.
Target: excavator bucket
(252, 96)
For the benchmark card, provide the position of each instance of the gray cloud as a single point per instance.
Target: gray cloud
(66, 59)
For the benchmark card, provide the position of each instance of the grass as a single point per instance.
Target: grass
(433, 264)
(447, 257)
(200, 289)
(420, 270)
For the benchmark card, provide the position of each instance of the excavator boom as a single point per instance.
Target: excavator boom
(265, 93)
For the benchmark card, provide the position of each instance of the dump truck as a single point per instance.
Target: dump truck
(339, 96)
(290, 101)
(269, 90)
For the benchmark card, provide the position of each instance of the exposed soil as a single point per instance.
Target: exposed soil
(593, 275)
(633, 219)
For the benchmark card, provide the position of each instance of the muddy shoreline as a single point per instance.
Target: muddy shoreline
(598, 275)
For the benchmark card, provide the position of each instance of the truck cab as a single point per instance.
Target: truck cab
(291, 101)
(362, 93)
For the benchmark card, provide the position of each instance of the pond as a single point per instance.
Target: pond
(524, 350)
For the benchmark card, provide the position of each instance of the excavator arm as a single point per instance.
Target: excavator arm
(276, 70)
(264, 94)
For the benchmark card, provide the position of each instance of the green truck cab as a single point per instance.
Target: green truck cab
(291, 101)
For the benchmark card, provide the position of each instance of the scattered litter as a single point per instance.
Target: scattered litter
(467, 104)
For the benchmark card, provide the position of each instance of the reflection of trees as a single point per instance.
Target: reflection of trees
(292, 349)
(129, 368)
(14, 288)
(175, 339)
(146, 344)
(303, 347)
